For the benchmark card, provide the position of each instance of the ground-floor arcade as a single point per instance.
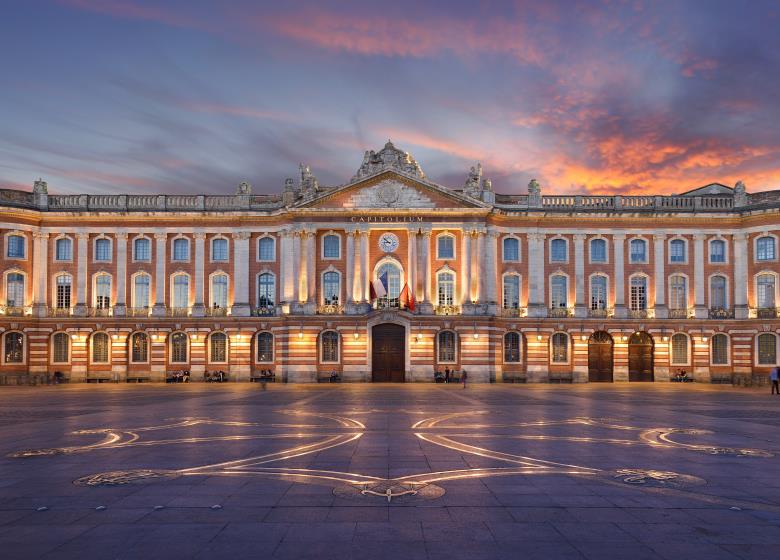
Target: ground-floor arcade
(389, 346)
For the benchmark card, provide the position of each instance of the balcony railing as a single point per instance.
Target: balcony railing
(388, 303)
(600, 313)
(679, 313)
(138, 311)
(178, 311)
(15, 311)
(447, 310)
(559, 312)
(514, 312)
(721, 313)
(767, 312)
(60, 311)
(100, 312)
(637, 313)
(330, 309)
(264, 311)
(216, 311)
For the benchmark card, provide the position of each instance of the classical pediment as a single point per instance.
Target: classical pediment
(390, 189)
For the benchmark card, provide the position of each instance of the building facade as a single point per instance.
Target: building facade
(390, 277)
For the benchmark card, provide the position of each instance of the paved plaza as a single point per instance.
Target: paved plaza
(389, 471)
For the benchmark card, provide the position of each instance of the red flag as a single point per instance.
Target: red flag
(371, 292)
(406, 298)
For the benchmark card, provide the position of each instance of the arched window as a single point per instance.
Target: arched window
(141, 283)
(102, 249)
(767, 349)
(16, 246)
(139, 348)
(446, 342)
(14, 348)
(63, 249)
(558, 250)
(511, 291)
(390, 275)
(511, 347)
(181, 249)
(14, 289)
(765, 248)
(598, 250)
(638, 296)
(329, 352)
(331, 288)
(63, 289)
(559, 291)
(445, 247)
(637, 252)
(678, 292)
(102, 291)
(331, 246)
(60, 344)
(677, 251)
(219, 249)
(100, 348)
(718, 299)
(560, 348)
(717, 251)
(511, 249)
(181, 291)
(265, 347)
(720, 350)
(266, 290)
(598, 292)
(178, 348)
(765, 291)
(219, 291)
(679, 349)
(445, 282)
(218, 348)
(265, 249)
(142, 249)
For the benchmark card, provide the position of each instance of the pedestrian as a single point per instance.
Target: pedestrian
(774, 377)
(464, 376)
(446, 375)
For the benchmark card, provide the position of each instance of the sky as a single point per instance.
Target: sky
(192, 96)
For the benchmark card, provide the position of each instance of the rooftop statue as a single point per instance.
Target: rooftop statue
(388, 157)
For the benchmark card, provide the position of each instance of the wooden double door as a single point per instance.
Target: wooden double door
(600, 357)
(388, 353)
(640, 357)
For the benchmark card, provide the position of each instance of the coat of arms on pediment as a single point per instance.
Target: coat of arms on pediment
(389, 194)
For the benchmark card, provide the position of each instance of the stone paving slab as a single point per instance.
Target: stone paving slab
(389, 471)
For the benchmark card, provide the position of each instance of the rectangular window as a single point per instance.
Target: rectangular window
(15, 247)
(181, 250)
(677, 251)
(63, 250)
(445, 247)
(511, 292)
(638, 251)
(598, 292)
(63, 292)
(142, 249)
(678, 293)
(559, 292)
(638, 293)
(102, 250)
(219, 250)
(718, 251)
(598, 251)
(558, 250)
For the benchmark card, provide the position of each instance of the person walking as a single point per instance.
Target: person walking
(464, 376)
(774, 377)
(446, 375)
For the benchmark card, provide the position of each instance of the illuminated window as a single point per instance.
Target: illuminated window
(139, 348)
(100, 348)
(446, 346)
(511, 347)
(679, 349)
(265, 347)
(218, 353)
(720, 350)
(178, 348)
(60, 348)
(560, 348)
(767, 349)
(330, 347)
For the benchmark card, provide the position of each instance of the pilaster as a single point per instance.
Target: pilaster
(199, 308)
(580, 307)
(661, 309)
(40, 272)
(740, 252)
(240, 306)
(80, 310)
(160, 245)
(699, 300)
(120, 307)
(619, 242)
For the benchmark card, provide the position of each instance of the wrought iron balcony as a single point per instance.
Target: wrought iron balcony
(15, 311)
(559, 312)
(637, 313)
(177, 311)
(679, 313)
(60, 311)
(388, 303)
(216, 311)
(601, 313)
(330, 309)
(264, 311)
(447, 310)
(767, 312)
(138, 311)
(514, 312)
(721, 313)
(100, 312)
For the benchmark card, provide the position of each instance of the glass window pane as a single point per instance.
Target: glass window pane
(64, 250)
(219, 249)
(266, 290)
(558, 250)
(265, 347)
(100, 348)
(330, 346)
(718, 292)
(720, 349)
(140, 347)
(511, 347)
(218, 347)
(63, 291)
(765, 249)
(511, 291)
(16, 246)
(61, 345)
(446, 345)
(766, 290)
(679, 349)
(14, 294)
(14, 348)
(638, 293)
(181, 291)
(331, 288)
(102, 250)
(559, 291)
(446, 288)
(678, 292)
(141, 291)
(598, 251)
(638, 250)
(767, 349)
(142, 249)
(219, 291)
(511, 249)
(677, 251)
(445, 247)
(179, 347)
(560, 348)
(331, 249)
(266, 249)
(181, 249)
(718, 251)
(103, 291)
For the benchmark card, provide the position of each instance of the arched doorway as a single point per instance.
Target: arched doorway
(388, 353)
(640, 357)
(600, 357)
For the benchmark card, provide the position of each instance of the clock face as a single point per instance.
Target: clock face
(388, 242)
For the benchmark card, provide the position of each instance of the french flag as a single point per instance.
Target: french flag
(380, 286)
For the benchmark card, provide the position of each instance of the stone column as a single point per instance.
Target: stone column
(619, 242)
(311, 273)
(490, 279)
(81, 275)
(161, 240)
(350, 267)
(40, 272)
(411, 275)
(537, 306)
(580, 303)
(427, 304)
(465, 268)
(357, 272)
(741, 310)
(661, 309)
(199, 308)
(240, 274)
(282, 255)
(295, 238)
(120, 307)
(479, 266)
(699, 290)
(365, 272)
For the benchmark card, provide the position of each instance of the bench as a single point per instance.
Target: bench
(214, 377)
(263, 376)
(328, 377)
(561, 377)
